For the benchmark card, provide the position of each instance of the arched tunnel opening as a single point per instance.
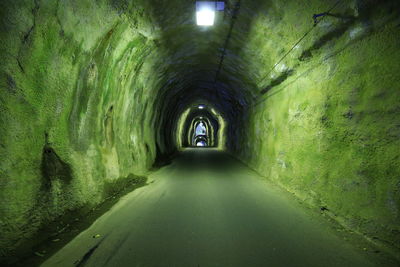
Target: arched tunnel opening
(200, 136)
(201, 125)
(107, 107)
(200, 129)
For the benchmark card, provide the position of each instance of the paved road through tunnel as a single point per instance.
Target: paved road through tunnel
(207, 209)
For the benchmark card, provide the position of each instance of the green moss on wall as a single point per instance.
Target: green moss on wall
(329, 129)
(75, 108)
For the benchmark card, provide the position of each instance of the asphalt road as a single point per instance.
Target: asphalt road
(206, 209)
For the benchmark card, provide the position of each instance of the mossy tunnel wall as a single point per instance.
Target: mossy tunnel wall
(93, 92)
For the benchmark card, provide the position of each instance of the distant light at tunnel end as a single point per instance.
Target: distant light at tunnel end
(201, 106)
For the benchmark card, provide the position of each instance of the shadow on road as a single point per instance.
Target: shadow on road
(210, 159)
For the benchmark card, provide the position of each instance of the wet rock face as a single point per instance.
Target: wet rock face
(108, 81)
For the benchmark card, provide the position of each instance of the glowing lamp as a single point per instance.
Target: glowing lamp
(205, 12)
(205, 17)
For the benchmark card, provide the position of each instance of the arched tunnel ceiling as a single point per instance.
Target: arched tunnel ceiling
(203, 63)
(196, 64)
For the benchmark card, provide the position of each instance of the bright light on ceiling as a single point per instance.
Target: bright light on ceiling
(205, 11)
(205, 17)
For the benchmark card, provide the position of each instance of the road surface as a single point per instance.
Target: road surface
(206, 209)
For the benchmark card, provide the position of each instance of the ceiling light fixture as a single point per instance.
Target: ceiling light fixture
(205, 12)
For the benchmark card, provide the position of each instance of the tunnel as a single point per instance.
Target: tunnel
(199, 124)
(200, 133)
